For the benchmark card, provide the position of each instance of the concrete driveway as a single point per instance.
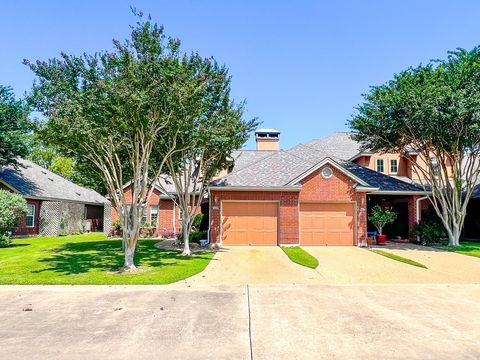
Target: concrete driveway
(242, 265)
(255, 322)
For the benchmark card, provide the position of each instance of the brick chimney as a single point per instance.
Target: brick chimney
(267, 139)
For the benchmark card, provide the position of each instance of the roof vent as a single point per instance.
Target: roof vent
(44, 172)
(50, 179)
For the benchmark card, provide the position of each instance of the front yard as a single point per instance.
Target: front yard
(466, 248)
(92, 259)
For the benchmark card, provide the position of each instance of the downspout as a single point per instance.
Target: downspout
(174, 217)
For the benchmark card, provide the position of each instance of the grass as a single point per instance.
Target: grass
(91, 259)
(398, 258)
(466, 248)
(300, 256)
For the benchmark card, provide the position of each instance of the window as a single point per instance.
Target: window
(380, 167)
(327, 172)
(393, 166)
(435, 167)
(30, 219)
(153, 215)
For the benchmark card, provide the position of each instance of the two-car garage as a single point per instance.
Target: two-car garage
(257, 223)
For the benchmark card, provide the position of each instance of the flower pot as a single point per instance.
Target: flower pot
(381, 239)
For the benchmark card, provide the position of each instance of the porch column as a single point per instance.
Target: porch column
(412, 215)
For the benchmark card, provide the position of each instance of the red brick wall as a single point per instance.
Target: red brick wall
(21, 228)
(314, 188)
(412, 215)
(288, 213)
(166, 206)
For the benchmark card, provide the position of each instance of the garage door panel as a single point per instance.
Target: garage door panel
(250, 223)
(326, 223)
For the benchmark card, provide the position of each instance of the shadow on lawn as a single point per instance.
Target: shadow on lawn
(107, 255)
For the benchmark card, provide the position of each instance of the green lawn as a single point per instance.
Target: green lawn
(466, 248)
(300, 256)
(91, 259)
(398, 258)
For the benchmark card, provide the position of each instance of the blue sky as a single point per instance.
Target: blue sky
(301, 65)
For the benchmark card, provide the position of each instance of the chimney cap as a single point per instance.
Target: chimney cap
(270, 131)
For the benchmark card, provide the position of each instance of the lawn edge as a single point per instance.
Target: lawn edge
(285, 251)
(398, 258)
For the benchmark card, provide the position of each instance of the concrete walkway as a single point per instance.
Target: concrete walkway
(254, 322)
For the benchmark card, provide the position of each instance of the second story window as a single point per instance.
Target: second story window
(435, 167)
(380, 167)
(393, 166)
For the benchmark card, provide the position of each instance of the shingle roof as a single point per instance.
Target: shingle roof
(379, 180)
(279, 168)
(338, 144)
(34, 181)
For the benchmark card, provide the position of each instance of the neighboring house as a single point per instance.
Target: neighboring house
(311, 194)
(55, 204)
(161, 211)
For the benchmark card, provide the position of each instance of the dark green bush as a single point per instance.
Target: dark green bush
(197, 221)
(430, 233)
(194, 237)
(4, 241)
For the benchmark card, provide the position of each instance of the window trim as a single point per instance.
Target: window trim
(383, 166)
(150, 214)
(396, 166)
(34, 207)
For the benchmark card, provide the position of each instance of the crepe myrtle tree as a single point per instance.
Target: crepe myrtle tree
(431, 115)
(208, 129)
(13, 127)
(115, 110)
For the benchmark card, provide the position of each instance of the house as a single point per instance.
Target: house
(55, 204)
(316, 193)
(161, 211)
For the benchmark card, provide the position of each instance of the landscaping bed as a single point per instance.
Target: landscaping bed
(300, 256)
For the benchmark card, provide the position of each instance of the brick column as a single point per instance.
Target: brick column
(412, 215)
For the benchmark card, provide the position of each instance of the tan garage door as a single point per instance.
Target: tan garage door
(249, 223)
(326, 224)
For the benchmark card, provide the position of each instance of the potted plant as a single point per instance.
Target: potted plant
(381, 217)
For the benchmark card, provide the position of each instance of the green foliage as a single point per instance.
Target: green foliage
(300, 256)
(398, 258)
(12, 207)
(381, 217)
(434, 106)
(13, 127)
(4, 241)
(194, 236)
(430, 233)
(197, 221)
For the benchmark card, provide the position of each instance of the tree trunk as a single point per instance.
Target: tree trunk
(454, 236)
(129, 256)
(186, 245)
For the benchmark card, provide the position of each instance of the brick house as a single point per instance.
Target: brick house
(312, 194)
(318, 193)
(55, 204)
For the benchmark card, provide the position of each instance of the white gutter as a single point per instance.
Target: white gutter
(366, 188)
(401, 192)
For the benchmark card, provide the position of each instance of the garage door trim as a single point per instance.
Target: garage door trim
(250, 201)
(355, 216)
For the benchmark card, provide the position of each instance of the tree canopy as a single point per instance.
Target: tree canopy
(13, 127)
(431, 115)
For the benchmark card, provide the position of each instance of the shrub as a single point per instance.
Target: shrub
(197, 221)
(430, 233)
(117, 225)
(4, 241)
(194, 237)
(12, 208)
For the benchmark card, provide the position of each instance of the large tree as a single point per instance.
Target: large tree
(115, 109)
(13, 127)
(210, 128)
(431, 115)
